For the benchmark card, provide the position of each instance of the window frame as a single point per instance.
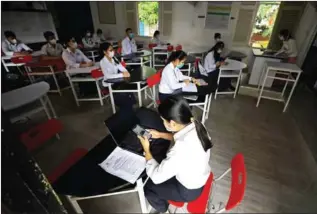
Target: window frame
(137, 19)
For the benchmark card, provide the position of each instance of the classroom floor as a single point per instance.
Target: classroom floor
(282, 172)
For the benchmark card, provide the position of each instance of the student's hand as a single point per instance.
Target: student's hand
(89, 64)
(195, 81)
(186, 82)
(126, 74)
(83, 65)
(145, 144)
(155, 134)
(218, 64)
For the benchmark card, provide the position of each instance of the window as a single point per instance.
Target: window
(148, 18)
(264, 24)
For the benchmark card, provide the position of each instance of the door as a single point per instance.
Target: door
(309, 67)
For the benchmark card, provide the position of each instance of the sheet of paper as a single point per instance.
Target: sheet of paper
(124, 164)
(201, 82)
(191, 87)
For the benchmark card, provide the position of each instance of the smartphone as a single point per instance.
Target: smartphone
(138, 130)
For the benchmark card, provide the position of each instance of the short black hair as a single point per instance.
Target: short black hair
(104, 46)
(128, 29)
(9, 33)
(48, 34)
(99, 31)
(217, 35)
(285, 33)
(68, 39)
(156, 33)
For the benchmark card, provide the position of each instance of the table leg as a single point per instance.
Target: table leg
(45, 108)
(56, 82)
(142, 199)
(263, 84)
(51, 106)
(237, 86)
(112, 100)
(75, 205)
(290, 95)
(151, 61)
(284, 89)
(74, 91)
(99, 93)
(139, 94)
(218, 81)
(189, 68)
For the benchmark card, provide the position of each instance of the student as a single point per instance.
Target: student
(52, 49)
(173, 80)
(11, 46)
(212, 62)
(111, 67)
(128, 43)
(217, 37)
(99, 37)
(87, 40)
(156, 38)
(289, 46)
(182, 175)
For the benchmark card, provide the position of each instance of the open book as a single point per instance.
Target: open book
(124, 164)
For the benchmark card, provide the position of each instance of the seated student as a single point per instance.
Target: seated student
(88, 41)
(156, 38)
(52, 49)
(173, 80)
(212, 62)
(182, 175)
(289, 46)
(111, 69)
(128, 43)
(99, 37)
(11, 46)
(217, 37)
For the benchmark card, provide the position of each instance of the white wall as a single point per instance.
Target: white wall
(305, 32)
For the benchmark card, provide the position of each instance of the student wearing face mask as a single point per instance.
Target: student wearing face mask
(212, 62)
(217, 37)
(289, 46)
(182, 175)
(156, 38)
(173, 80)
(88, 41)
(99, 37)
(11, 46)
(128, 43)
(52, 49)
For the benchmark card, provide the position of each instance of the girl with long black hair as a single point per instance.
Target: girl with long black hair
(182, 175)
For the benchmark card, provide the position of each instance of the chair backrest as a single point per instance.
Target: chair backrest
(96, 73)
(151, 45)
(124, 64)
(119, 50)
(200, 204)
(154, 79)
(21, 59)
(170, 48)
(238, 181)
(178, 48)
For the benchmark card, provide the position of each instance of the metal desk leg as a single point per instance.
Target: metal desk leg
(51, 106)
(290, 95)
(139, 94)
(142, 199)
(74, 91)
(218, 81)
(99, 93)
(45, 108)
(238, 83)
(112, 100)
(263, 84)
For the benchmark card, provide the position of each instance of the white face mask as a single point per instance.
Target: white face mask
(88, 34)
(74, 45)
(14, 41)
(219, 51)
(111, 54)
(217, 40)
(53, 41)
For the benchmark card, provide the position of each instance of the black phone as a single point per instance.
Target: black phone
(138, 130)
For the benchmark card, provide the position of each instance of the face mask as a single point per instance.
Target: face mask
(88, 34)
(180, 65)
(53, 41)
(281, 38)
(74, 45)
(131, 35)
(14, 41)
(111, 54)
(219, 51)
(218, 39)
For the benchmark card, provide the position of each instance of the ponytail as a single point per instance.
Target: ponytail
(177, 109)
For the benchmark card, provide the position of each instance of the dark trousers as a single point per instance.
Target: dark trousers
(212, 81)
(159, 194)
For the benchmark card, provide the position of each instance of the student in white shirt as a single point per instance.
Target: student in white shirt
(182, 175)
(289, 46)
(88, 41)
(156, 38)
(111, 67)
(51, 50)
(128, 43)
(99, 37)
(212, 62)
(173, 80)
(11, 46)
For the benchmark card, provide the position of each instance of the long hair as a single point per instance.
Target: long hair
(217, 46)
(177, 109)
(176, 55)
(286, 34)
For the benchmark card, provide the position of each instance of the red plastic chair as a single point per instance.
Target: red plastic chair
(40, 134)
(124, 64)
(96, 73)
(238, 185)
(151, 46)
(119, 50)
(21, 59)
(152, 81)
(178, 48)
(73, 158)
(170, 48)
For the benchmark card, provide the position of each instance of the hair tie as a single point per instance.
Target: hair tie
(192, 119)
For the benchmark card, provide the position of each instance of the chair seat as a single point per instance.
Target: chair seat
(38, 135)
(230, 73)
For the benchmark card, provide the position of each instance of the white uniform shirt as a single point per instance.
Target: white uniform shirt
(128, 46)
(88, 42)
(9, 49)
(111, 70)
(186, 160)
(170, 79)
(73, 60)
(289, 47)
(99, 38)
(156, 41)
(209, 62)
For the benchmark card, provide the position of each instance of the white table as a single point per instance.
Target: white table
(131, 58)
(20, 97)
(286, 69)
(72, 79)
(232, 70)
